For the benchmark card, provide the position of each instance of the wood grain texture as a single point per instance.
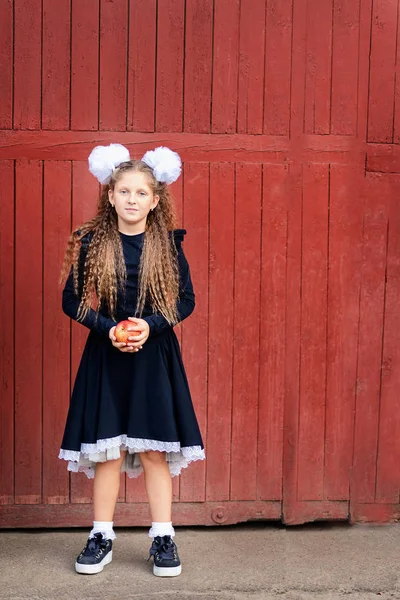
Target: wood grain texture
(246, 340)
(113, 65)
(56, 329)
(251, 67)
(142, 65)
(345, 65)
(279, 57)
(84, 66)
(314, 285)
(318, 67)
(220, 351)
(56, 64)
(382, 71)
(292, 513)
(28, 340)
(388, 463)
(7, 341)
(225, 66)
(372, 302)
(27, 64)
(170, 57)
(198, 66)
(345, 260)
(6, 64)
(272, 332)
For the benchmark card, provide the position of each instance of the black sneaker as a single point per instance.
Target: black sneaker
(166, 559)
(96, 554)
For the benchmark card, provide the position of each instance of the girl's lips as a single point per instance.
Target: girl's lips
(131, 209)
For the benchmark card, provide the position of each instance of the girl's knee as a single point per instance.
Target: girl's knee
(152, 457)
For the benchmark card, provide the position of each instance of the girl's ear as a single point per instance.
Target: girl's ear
(156, 200)
(111, 197)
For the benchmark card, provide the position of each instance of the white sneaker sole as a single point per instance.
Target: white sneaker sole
(92, 569)
(167, 571)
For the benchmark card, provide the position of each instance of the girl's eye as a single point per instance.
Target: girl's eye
(123, 191)
(142, 193)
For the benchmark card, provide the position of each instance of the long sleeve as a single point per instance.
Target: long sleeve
(186, 301)
(70, 301)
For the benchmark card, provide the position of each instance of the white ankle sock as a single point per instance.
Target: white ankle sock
(160, 529)
(104, 527)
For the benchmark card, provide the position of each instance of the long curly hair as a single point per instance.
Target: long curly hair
(104, 271)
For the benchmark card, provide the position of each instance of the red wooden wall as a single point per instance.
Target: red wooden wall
(287, 116)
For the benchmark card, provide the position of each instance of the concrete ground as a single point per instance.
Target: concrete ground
(260, 561)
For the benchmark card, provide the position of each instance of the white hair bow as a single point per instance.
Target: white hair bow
(165, 164)
(104, 159)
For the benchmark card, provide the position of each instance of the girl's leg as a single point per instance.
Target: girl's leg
(98, 550)
(106, 488)
(159, 492)
(158, 485)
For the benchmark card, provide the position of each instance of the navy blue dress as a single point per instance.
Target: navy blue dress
(131, 401)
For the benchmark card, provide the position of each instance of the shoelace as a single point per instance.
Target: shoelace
(164, 547)
(96, 543)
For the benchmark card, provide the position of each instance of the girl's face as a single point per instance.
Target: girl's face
(133, 199)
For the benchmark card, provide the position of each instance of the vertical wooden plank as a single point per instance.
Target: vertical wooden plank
(318, 67)
(27, 63)
(170, 50)
(84, 201)
(345, 253)
(142, 65)
(195, 330)
(293, 271)
(6, 64)
(388, 462)
(314, 262)
(7, 335)
(364, 68)
(225, 66)
(220, 350)
(382, 71)
(292, 336)
(251, 67)
(56, 64)
(396, 117)
(246, 332)
(113, 64)
(56, 330)
(298, 70)
(272, 333)
(198, 52)
(278, 62)
(376, 195)
(346, 31)
(28, 333)
(84, 66)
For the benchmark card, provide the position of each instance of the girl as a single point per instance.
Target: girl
(130, 408)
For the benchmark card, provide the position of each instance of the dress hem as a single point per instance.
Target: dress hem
(84, 460)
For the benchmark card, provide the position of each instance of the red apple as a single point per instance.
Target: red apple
(122, 332)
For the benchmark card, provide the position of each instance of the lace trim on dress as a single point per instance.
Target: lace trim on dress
(85, 460)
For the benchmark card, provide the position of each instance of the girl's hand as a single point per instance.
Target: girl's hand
(135, 343)
(141, 325)
(120, 345)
